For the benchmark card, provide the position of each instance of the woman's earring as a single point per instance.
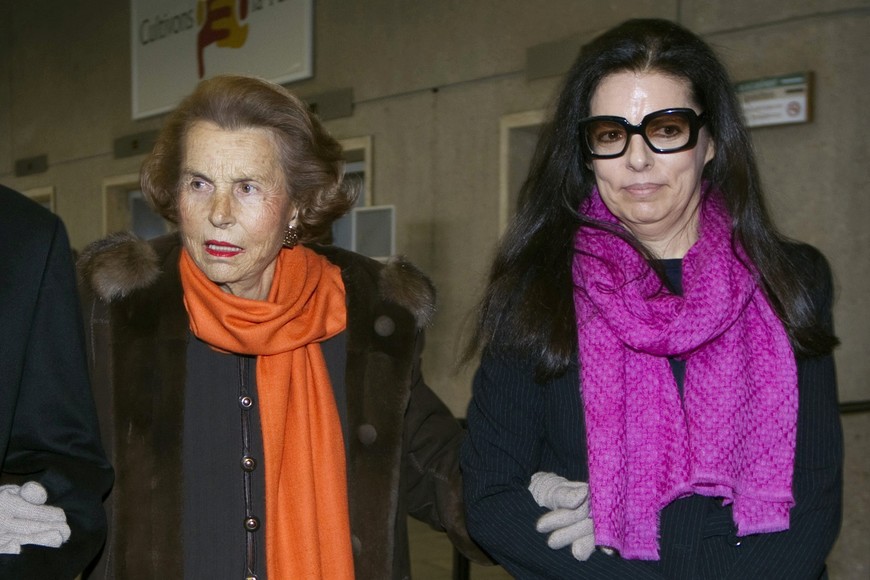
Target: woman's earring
(291, 236)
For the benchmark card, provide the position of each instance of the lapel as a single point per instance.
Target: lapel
(382, 338)
(149, 342)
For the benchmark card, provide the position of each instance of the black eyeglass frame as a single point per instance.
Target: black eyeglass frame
(696, 121)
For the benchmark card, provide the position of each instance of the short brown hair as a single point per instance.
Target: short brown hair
(311, 159)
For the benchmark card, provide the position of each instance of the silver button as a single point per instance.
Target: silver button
(249, 463)
(252, 524)
(246, 402)
(734, 540)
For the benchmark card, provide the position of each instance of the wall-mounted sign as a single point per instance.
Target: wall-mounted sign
(175, 44)
(776, 100)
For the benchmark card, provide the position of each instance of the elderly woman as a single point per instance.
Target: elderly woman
(265, 407)
(648, 331)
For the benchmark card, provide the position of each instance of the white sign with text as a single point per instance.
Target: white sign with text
(175, 44)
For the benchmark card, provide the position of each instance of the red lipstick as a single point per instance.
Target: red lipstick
(221, 249)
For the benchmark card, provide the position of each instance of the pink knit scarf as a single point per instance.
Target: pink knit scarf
(732, 435)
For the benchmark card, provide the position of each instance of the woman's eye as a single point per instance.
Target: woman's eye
(247, 188)
(668, 130)
(605, 132)
(609, 136)
(197, 185)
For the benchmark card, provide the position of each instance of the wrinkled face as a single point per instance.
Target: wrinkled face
(233, 206)
(655, 196)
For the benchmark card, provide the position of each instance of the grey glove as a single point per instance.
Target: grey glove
(24, 519)
(568, 523)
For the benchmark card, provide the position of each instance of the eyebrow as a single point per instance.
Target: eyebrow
(187, 171)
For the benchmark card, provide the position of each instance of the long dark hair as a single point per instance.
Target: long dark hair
(528, 306)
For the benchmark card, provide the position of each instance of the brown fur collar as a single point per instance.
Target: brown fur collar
(118, 264)
(121, 263)
(402, 283)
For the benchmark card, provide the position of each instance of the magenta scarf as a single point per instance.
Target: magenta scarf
(732, 435)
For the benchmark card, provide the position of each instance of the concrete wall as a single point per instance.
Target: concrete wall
(431, 81)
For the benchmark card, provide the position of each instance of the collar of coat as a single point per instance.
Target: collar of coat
(122, 263)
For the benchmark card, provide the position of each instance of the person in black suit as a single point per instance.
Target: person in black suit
(656, 395)
(53, 471)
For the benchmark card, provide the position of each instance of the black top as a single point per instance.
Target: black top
(518, 427)
(674, 272)
(219, 430)
(214, 513)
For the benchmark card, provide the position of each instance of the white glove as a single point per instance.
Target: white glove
(569, 519)
(24, 519)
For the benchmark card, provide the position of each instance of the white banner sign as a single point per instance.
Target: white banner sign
(177, 43)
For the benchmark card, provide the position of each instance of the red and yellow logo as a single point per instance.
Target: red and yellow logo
(220, 24)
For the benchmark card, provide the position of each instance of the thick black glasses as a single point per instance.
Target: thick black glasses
(665, 131)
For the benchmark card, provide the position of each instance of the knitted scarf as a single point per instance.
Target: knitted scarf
(733, 433)
(307, 525)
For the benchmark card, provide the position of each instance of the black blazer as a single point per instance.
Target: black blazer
(518, 427)
(48, 426)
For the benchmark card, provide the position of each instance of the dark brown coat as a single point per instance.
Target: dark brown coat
(402, 452)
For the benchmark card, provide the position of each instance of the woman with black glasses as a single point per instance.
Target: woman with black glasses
(656, 395)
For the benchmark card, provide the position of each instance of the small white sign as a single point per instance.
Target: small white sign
(776, 100)
(177, 43)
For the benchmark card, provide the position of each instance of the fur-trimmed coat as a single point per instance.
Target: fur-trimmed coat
(403, 442)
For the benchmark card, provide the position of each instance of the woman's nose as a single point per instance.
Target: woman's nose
(639, 156)
(221, 214)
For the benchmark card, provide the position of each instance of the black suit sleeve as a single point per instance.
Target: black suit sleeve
(54, 436)
(508, 422)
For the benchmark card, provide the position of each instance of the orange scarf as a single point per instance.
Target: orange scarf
(307, 521)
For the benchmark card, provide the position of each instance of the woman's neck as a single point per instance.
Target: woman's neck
(675, 247)
(670, 240)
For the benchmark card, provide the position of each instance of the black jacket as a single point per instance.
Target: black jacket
(48, 427)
